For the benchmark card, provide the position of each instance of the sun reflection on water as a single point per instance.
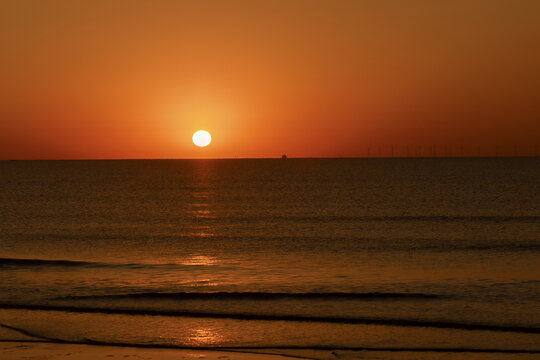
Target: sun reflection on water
(200, 260)
(204, 336)
(202, 214)
(201, 194)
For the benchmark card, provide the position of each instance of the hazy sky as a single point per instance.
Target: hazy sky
(135, 79)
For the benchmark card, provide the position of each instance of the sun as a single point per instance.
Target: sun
(202, 138)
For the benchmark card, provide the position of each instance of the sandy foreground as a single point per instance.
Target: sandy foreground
(52, 351)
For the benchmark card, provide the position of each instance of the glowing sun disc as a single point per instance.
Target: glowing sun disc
(202, 138)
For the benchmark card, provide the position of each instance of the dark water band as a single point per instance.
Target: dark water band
(257, 296)
(298, 318)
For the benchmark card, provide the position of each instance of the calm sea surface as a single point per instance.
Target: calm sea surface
(298, 253)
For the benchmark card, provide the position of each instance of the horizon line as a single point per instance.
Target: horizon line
(280, 158)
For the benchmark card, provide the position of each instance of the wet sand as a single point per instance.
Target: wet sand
(53, 351)
(13, 350)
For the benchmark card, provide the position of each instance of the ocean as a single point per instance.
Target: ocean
(296, 256)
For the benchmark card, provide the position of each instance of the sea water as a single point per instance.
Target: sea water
(389, 254)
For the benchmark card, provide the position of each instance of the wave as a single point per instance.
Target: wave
(412, 218)
(258, 296)
(30, 263)
(43, 262)
(270, 317)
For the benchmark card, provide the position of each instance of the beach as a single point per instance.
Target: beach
(54, 351)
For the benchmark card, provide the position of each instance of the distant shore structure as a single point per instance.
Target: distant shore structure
(284, 157)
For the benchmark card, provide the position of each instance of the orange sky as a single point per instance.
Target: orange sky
(135, 79)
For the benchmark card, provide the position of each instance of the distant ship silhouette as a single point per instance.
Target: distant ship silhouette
(284, 156)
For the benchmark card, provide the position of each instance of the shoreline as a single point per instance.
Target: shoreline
(50, 350)
(28, 349)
